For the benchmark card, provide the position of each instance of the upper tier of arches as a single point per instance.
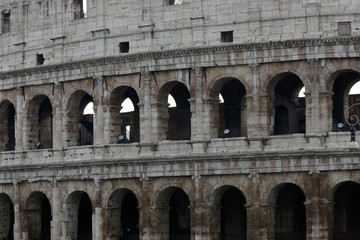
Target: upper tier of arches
(263, 102)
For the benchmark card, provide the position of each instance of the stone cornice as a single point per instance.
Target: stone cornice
(163, 54)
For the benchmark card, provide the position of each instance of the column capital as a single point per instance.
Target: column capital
(255, 67)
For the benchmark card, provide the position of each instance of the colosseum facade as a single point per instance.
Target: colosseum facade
(239, 154)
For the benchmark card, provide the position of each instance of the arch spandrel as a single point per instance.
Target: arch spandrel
(216, 82)
(162, 191)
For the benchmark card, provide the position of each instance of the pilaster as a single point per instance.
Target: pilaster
(99, 113)
(20, 95)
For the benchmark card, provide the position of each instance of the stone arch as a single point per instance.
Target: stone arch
(38, 216)
(7, 126)
(342, 81)
(78, 216)
(78, 126)
(346, 213)
(7, 217)
(123, 215)
(231, 114)
(283, 90)
(118, 121)
(173, 209)
(287, 212)
(39, 122)
(229, 221)
(175, 123)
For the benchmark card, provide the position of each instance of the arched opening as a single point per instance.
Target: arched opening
(232, 111)
(38, 212)
(39, 124)
(342, 98)
(124, 112)
(347, 211)
(174, 214)
(80, 116)
(123, 215)
(229, 220)
(84, 218)
(179, 216)
(78, 216)
(45, 124)
(175, 120)
(289, 106)
(233, 215)
(289, 213)
(7, 217)
(7, 126)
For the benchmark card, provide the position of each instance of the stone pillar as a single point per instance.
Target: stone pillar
(326, 213)
(98, 213)
(56, 212)
(159, 223)
(17, 213)
(160, 118)
(256, 107)
(313, 125)
(211, 117)
(314, 225)
(215, 222)
(148, 130)
(57, 118)
(263, 221)
(198, 125)
(325, 114)
(19, 119)
(99, 113)
(107, 122)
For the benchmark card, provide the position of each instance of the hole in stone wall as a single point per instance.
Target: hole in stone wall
(5, 20)
(227, 36)
(174, 2)
(80, 9)
(124, 47)
(40, 59)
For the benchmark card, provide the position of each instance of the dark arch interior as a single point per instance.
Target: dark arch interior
(39, 217)
(288, 104)
(179, 126)
(179, 216)
(230, 112)
(341, 83)
(45, 124)
(130, 217)
(233, 215)
(131, 119)
(86, 125)
(84, 230)
(347, 212)
(7, 218)
(290, 216)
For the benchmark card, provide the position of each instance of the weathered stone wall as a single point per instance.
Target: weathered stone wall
(51, 29)
(70, 190)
